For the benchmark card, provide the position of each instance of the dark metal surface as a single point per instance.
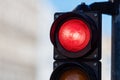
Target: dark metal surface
(115, 1)
(106, 7)
(115, 71)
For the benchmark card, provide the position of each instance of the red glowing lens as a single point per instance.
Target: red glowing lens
(74, 35)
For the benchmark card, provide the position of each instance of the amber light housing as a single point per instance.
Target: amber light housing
(73, 72)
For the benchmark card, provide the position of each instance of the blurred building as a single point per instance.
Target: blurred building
(18, 29)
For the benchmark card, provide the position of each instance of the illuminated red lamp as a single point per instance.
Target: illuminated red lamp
(74, 35)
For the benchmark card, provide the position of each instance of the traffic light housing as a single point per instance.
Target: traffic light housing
(76, 37)
(91, 21)
(89, 69)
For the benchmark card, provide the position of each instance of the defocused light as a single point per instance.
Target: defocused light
(74, 35)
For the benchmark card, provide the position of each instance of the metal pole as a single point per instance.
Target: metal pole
(115, 69)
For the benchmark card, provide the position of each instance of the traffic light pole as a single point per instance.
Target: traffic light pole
(115, 71)
(112, 8)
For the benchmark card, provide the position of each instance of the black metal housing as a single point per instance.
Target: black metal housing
(108, 7)
(93, 49)
(92, 69)
(89, 60)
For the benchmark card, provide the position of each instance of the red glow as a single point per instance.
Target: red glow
(74, 35)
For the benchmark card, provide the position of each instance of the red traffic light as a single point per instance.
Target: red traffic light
(74, 35)
(76, 38)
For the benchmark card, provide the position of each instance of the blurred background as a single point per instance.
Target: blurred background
(26, 52)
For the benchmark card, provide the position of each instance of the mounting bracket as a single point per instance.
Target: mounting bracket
(110, 8)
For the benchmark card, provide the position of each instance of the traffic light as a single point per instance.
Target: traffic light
(76, 37)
